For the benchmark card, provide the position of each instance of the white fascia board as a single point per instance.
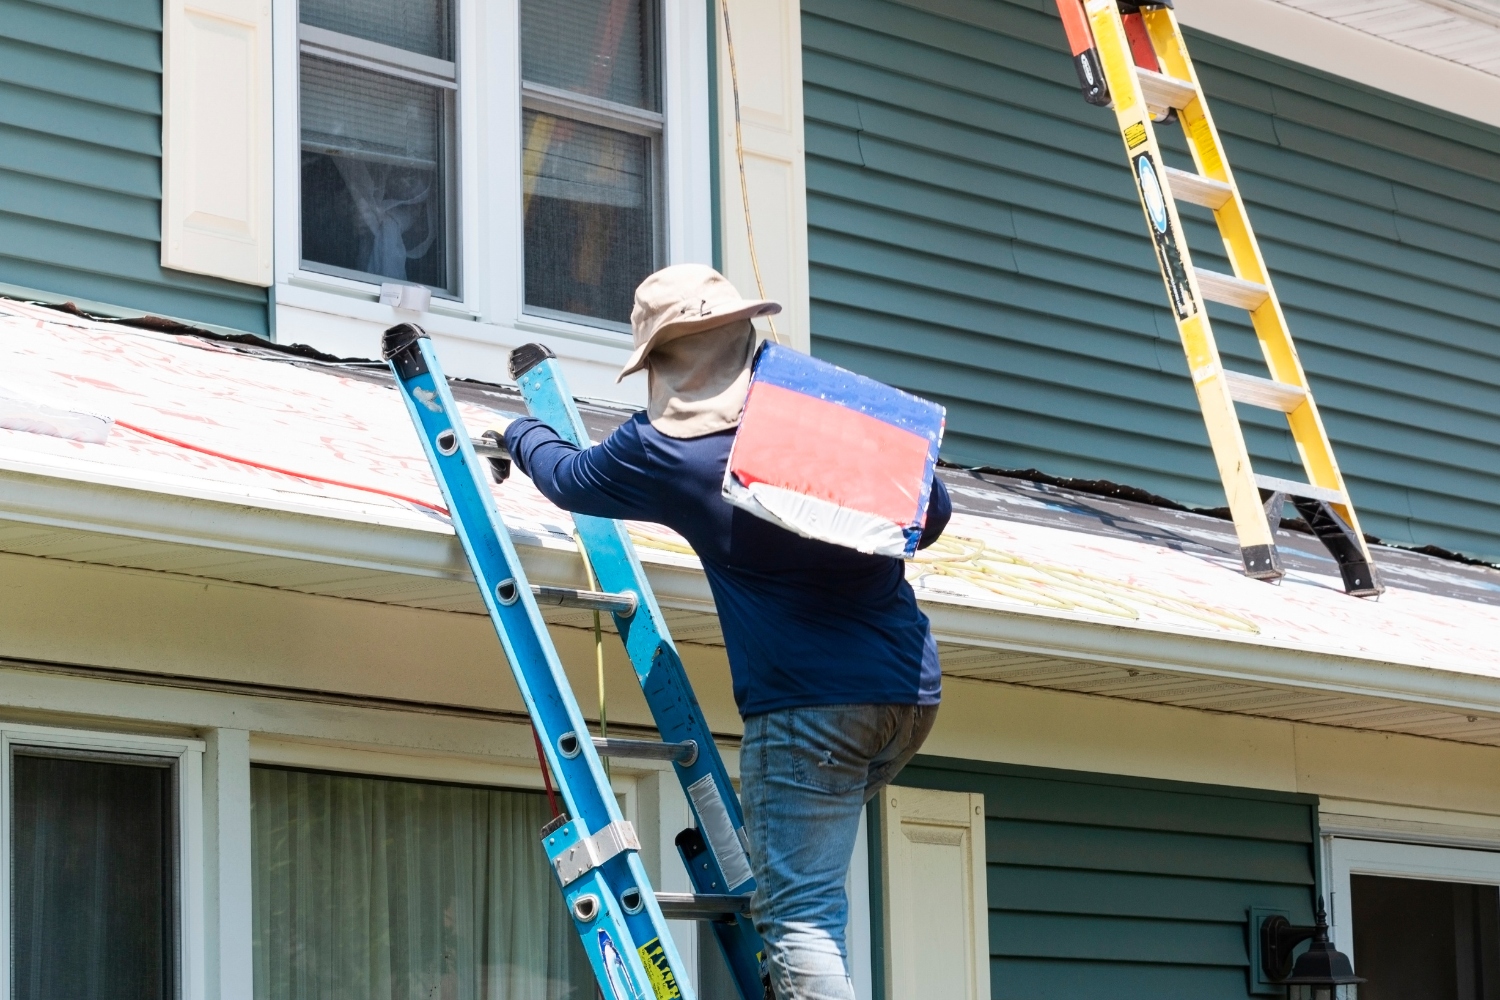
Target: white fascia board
(1340, 50)
(427, 547)
(232, 519)
(1196, 654)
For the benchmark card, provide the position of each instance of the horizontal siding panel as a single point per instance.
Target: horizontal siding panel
(54, 114)
(1091, 938)
(68, 74)
(80, 164)
(1121, 850)
(159, 299)
(125, 13)
(1223, 57)
(59, 202)
(1121, 887)
(1138, 808)
(974, 237)
(1051, 890)
(67, 31)
(1041, 979)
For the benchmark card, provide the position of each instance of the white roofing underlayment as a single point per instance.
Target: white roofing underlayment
(1027, 592)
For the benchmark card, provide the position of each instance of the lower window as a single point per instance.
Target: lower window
(93, 876)
(371, 887)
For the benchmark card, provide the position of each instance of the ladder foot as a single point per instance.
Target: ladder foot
(1360, 576)
(1262, 562)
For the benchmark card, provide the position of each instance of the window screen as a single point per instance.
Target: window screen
(591, 154)
(405, 890)
(377, 104)
(93, 878)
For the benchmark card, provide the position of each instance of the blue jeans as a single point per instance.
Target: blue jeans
(805, 776)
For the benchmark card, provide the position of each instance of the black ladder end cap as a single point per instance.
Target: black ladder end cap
(554, 824)
(400, 337)
(527, 357)
(1262, 562)
(690, 841)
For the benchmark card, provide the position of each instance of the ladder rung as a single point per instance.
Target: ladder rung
(1162, 91)
(1198, 190)
(687, 906)
(1295, 489)
(1231, 291)
(1264, 392)
(488, 449)
(592, 600)
(684, 753)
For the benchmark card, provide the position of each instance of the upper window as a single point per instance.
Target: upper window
(591, 154)
(379, 83)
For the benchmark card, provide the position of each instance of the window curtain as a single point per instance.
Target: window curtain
(92, 878)
(369, 888)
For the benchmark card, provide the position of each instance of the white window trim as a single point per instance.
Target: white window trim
(1348, 856)
(490, 310)
(188, 753)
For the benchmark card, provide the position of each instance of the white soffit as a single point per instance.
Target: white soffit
(1443, 53)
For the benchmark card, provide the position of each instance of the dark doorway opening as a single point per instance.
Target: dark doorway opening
(1416, 938)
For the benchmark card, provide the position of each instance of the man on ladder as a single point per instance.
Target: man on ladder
(834, 667)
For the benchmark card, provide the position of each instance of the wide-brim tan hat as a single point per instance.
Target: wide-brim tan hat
(681, 300)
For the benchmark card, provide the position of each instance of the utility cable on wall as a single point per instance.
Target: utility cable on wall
(739, 152)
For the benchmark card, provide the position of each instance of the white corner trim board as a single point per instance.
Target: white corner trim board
(768, 56)
(1298, 36)
(217, 205)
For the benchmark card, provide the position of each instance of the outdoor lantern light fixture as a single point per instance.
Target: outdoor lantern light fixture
(1322, 973)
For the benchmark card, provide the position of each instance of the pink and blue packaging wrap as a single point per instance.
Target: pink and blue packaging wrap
(833, 455)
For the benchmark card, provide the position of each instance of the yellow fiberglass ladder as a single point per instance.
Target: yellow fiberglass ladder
(1131, 57)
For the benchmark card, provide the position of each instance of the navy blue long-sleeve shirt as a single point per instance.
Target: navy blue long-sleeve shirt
(805, 622)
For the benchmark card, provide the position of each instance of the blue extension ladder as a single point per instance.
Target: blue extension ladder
(593, 850)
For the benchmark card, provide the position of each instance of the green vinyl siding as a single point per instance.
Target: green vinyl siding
(80, 164)
(1106, 887)
(975, 238)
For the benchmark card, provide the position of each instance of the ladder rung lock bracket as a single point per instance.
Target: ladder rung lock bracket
(623, 604)
(687, 906)
(1162, 91)
(684, 753)
(1231, 291)
(591, 852)
(1295, 489)
(1264, 392)
(1195, 189)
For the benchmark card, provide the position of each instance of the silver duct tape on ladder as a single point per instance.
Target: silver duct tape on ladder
(723, 839)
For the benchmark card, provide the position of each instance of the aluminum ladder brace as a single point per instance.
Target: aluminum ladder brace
(593, 850)
(1132, 57)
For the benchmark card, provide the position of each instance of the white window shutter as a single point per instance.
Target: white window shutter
(935, 903)
(216, 211)
(767, 38)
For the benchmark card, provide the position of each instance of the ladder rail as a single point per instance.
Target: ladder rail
(593, 850)
(1257, 543)
(724, 866)
(1171, 79)
(1269, 320)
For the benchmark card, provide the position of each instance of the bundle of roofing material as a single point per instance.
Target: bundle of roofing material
(833, 455)
(20, 411)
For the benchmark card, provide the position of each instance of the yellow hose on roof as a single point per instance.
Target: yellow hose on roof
(1028, 581)
(974, 561)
